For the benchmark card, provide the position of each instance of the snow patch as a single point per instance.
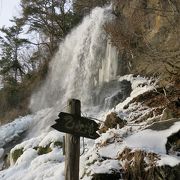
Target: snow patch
(152, 140)
(168, 160)
(107, 166)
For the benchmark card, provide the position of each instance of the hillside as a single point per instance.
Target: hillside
(146, 34)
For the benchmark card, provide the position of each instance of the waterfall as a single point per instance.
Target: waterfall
(84, 61)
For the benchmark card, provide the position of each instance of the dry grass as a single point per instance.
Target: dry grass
(138, 164)
(141, 165)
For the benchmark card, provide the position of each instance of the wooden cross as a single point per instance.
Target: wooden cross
(74, 126)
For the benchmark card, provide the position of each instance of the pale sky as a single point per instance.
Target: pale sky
(8, 9)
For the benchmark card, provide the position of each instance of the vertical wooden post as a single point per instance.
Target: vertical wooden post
(63, 145)
(72, 145)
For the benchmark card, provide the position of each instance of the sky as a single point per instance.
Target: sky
(8, 9)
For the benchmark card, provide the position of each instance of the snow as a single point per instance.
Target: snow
(31, 143)
(151, 140)
(107, 166)
(43, 140)
(52, 136)
(30, 166)
(26, 157)
(109, 144)
(104, 155)
(96, 162)
(111, 151)
(168, 160)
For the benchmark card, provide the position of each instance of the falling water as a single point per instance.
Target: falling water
(83, 67)
(85, 61)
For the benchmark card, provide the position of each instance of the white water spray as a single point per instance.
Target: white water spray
(84, 61)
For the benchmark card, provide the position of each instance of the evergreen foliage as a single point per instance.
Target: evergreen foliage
(16, 154)
(83, 7)
(52, 18)
(11, 45)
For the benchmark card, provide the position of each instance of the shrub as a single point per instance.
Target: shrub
(16, 154)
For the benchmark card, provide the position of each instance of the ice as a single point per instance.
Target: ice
(30, 166)
(1, 152)
(12, 130)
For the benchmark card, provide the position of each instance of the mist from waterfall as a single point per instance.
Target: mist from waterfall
(84, 61)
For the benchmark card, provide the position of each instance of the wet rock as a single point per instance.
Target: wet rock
(112, 101)
(162, 125)
(165, 172)
(173, 144)
(167, 114)
(112, 121)
(120, 95)
(6, 162)
(115, 176)
(172, 110)
(121, 90)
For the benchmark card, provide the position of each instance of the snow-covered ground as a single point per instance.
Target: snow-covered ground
(112, 143)
(30, 165)
(101, 155)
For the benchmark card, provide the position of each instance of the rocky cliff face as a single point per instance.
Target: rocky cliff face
(147, 34)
